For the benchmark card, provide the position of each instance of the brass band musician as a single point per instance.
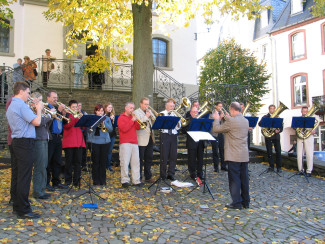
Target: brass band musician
(145, 139)
(306, 145)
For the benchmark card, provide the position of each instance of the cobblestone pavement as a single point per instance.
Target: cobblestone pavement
(282, 211)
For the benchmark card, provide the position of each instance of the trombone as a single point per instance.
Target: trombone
(142, 124)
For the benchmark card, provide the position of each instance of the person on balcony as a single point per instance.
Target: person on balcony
(78, 68)
(47, 66)
(17, 74)
(28, 69)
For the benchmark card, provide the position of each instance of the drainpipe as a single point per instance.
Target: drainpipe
(274, 69)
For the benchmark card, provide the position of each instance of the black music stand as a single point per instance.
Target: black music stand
(163, 122)
(271, 123)
(252, 121)
(91, 122)
(199, 131)
(302, 123)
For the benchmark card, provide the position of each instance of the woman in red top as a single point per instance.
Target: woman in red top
(28, 69)
(72, 144)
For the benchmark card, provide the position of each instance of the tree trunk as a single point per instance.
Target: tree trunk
(142, 53)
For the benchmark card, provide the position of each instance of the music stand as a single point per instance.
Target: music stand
(271, 123)
(252, 121)
(199, 131)
(91, 122)
(303, 123)
(163, 122)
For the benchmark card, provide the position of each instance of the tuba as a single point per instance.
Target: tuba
(184, 121)
(269, 132)
(186, 103)
(204, 106)
(204, 111)
(246, 108)
(304, 133)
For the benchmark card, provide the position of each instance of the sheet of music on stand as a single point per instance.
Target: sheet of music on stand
(199, 135)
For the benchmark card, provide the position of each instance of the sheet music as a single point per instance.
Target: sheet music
(201, 136)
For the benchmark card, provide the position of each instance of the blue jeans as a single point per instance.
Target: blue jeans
(110, 151)
(238, 183)
(40, 174)
(78, 80)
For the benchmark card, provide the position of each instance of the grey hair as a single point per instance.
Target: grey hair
(128, 103)
(36, 94)
(235, 106)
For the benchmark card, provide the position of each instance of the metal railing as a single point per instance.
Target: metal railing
(167, 87)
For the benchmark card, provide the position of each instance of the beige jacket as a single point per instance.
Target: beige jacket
(235, 130)
(47, 63)
(142, 135)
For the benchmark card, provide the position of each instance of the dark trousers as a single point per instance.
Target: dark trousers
(221, 150)
(239, 183)
(146, 155)
(73, 157)
(277, 146)
(99, 154)
(45, 78)
(23, 149)
(55, 158)
(168, 154)
(195, 160)
(13, 183)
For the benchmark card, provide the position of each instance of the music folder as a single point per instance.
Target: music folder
(252, 121)
(91, 120)
(272, 122)
(199, 130)
(165, 122)
(302, 122)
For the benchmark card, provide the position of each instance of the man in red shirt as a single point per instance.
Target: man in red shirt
(129, 150)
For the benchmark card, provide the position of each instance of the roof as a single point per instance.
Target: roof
(273, 15)
(286, 19)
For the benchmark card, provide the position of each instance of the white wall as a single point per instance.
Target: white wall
(33, 34)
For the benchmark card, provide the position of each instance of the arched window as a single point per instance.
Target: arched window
(299, 90)
(159, 50)
(297, 45)
(323, 37)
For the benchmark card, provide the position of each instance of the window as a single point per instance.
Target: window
(4, 38)
(297, 45)
(323, 37)
(7, 39)
(296, 6)
(264, 19)
(159, 50)
(263, 51)
(299, 88)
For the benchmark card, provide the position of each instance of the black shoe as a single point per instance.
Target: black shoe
(45, 196)
(245, 206)
(301, 172)
(269, 169)
(29, 215)
(224, 169)
(139, 185)
(232, 206)
(308, 175)
(279, 170)
(49, 188)
(61, 186)
(216, 170)
(170, 177)
(126, 185)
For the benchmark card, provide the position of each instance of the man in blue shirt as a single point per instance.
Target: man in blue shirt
(22, 122)
(55, 145)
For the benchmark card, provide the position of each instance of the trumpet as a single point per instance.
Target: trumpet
(153, 113)
(102, 127)
(142, 124)
(75, 114)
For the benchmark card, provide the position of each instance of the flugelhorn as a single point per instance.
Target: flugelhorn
(141, 124)
(204, 106)
(269, 132)
(75, 114)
